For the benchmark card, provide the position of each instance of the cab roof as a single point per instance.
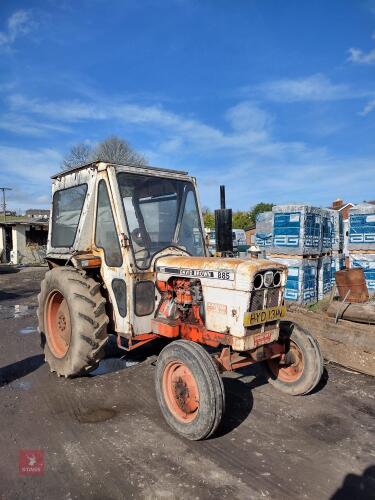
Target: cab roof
(96, 164)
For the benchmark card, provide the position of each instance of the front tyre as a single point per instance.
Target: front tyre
(72, 321)
(302, 367)
(189, 389)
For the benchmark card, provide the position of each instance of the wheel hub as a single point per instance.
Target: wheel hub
(57, 323)
(181, 391)
(291, 367)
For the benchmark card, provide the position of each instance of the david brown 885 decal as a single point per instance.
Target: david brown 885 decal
(198, 273)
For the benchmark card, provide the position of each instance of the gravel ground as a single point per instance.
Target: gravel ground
(103, 436)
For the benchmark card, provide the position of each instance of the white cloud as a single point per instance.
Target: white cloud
(22, 125)
(312, 88)
(316, 181)
(360, 57)
(249, 125)
(247, 116)
(18, 24)
(368, 108)
(30, 164)
(67, 111)
(243, 149)
(27, 172)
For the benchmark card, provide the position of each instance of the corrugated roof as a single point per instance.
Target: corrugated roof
(11, 222)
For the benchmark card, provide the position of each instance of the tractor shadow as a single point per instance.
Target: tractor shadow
(359, 487)
(9, 269)
(239, 398)
(20, 369)
(116, 359)
(322, 382)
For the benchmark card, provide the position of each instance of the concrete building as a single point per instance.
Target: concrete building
(23, 242)
(250, 235)
(37, 213)
(342, 207)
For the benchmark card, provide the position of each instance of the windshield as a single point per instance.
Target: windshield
(160, 213)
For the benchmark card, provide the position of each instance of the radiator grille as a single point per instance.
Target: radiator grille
(273, 297)
(266, 297)
(257, 300)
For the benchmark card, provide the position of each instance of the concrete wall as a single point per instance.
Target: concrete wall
(250, 236)
(2, 244)
(22, 252)
(19, 244)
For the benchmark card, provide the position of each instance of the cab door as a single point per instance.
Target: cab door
(107, 244)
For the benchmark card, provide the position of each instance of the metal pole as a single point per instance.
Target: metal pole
(222, 197)
(3, 189)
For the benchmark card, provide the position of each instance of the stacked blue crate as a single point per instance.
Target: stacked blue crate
(264, 229)
(297, 230)
(327, 231)
(367, 262)
(337, 231)
(362, 227)
(301, 285)
(324, 276)
(362, 241)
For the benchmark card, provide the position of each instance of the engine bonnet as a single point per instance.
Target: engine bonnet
(215, 271)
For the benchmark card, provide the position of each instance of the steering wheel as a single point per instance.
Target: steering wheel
(137, 238)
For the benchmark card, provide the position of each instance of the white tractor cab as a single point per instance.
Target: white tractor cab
(127, 256)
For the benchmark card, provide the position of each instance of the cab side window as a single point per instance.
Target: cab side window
(105, 233)
(66, 213)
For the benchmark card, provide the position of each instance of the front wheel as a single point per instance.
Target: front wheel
(302, 368)
(189, 389)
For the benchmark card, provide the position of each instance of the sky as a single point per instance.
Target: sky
(275, 99)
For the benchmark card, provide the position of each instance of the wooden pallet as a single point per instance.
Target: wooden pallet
(347, 343)
(362, 251)
(297, 256)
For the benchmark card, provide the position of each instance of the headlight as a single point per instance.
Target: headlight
(277, 278)
(258, 281)
(268, 279)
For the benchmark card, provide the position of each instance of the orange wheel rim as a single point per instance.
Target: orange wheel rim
(291, 371)
(58, 325)
(181, 391)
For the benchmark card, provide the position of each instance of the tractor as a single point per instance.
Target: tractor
(127, 257)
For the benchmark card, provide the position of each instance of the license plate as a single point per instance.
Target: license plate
(264, 315)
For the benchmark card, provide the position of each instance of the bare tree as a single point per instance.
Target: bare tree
(117, 150)
(112, 150)
(78, 155)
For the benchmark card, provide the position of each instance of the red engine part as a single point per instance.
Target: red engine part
(181, 315)
(182, 301)
(177, 288)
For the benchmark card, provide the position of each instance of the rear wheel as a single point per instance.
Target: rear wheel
(302, 368)
(72, 321)
(189, 389)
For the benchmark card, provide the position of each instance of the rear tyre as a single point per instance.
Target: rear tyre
(189, 390)
(72, 321)
(303, 366)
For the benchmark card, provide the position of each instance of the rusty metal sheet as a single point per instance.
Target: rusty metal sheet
(351, 285)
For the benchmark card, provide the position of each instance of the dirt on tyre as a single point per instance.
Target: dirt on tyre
(189, 389)
(302, 369)
(72, 321)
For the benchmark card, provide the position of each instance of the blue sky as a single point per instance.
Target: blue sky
(274, 99)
